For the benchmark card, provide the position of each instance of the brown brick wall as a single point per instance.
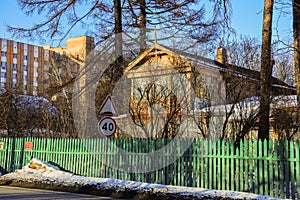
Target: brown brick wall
(41, 61)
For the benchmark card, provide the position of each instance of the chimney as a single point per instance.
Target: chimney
(221, 55)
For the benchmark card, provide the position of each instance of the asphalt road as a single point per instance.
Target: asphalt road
(13, 193)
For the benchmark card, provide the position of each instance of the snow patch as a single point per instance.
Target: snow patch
(43, 173)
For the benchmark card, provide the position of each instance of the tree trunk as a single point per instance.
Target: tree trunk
(266, 71)
(115, 72)
(119, 39)
(296, 31)
(142, 25)
(118, 23)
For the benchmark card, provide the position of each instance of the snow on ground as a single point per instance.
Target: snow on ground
(39, 174)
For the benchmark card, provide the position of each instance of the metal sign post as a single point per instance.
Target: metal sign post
(107, 126)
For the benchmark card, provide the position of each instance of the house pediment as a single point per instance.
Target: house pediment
(159, 60)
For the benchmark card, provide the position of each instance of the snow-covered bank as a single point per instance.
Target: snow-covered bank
(38, 174)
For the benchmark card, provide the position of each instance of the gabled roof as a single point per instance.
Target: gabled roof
(154, 49)
(199, 61)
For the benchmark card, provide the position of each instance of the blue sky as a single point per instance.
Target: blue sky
(246, 19)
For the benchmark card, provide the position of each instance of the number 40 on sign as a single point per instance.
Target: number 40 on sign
(107, 126)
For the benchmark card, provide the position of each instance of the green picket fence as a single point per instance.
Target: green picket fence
(261, 167)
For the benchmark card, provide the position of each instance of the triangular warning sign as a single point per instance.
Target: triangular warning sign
(108, 108)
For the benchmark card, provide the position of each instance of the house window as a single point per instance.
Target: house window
(57, 56)
(139, 90)
(159, 91)
(202, 94)
(201, 90)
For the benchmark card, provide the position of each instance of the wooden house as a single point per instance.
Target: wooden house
(170, 86)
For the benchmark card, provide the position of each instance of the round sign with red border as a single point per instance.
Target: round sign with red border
(107, 126)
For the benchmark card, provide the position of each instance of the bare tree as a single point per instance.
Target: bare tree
(157, 106)
(243, 93)
(244, 52)
(185, 18)
(5, 107)
(266, 71)
(62, 73)
(284, 68)
(296, 31)
(284, 118)
(23, 115)
(62, 16)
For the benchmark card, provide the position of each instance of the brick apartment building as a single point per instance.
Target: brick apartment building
(25, 67)
(22, 67)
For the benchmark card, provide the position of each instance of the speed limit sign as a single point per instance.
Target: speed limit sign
(107, 126)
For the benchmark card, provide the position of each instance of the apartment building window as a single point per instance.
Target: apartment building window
(14, 76)
(15, 66)
(25, 67)
(36, 52)
(14, 85)
(3, 65)
(3, 53)
(15, 55)
(25, 57)
(3, 74)
(35, 64)
(25, 77)
(25, 87)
